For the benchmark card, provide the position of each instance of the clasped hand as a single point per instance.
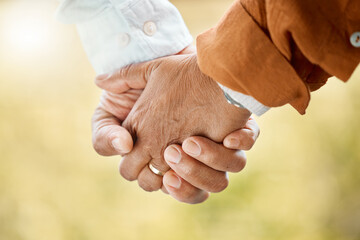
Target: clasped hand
(178, 102)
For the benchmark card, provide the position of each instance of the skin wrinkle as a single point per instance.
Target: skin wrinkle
(180, 98)
(118, 112)
(176, 105)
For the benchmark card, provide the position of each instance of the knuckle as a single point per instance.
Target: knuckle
(189, 171)
(148, 187)
(126, 174)
(98, 148)
(239, 166)
(123, 71)
(191, 197)
(101, 145)
(99, 142)
(220, 185)
(97, 82)
(251, 135)
(198, 200)
(185, 198)
(248, 142)
(160, 165)
(210, 159)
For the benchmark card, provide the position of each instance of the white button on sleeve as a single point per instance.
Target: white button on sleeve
(150, 28)
(124, 39)
(355, 39)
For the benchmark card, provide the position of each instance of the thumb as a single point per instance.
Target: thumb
(109, 138)
(133, 76)
(244, 138)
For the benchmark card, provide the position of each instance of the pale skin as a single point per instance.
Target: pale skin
(196, 172)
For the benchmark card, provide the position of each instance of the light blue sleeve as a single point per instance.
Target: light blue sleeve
(116, 33)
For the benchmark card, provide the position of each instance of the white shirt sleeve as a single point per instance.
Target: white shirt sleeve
(246, 101)
(116, 33)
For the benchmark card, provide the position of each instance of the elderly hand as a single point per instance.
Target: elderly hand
(109, 137)
(213, 156)
(177, 102)
(206, 168)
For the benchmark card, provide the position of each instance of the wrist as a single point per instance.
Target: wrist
(188, 50)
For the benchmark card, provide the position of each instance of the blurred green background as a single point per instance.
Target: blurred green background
(301, 182)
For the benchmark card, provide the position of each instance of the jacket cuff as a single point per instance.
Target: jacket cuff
(239, 55)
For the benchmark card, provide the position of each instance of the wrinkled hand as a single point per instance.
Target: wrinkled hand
(118, 98)
(207, 167)
(178, 102)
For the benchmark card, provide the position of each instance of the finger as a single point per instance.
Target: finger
(135, 161)
(149, 181)
(109, 138)
(129, 77)
(214, 155)
(164, 190)
(195, 172)
(181, 190)
(119, 105)
(245, 138)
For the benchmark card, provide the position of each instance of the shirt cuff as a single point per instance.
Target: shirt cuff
(117, 33)
(246, 101)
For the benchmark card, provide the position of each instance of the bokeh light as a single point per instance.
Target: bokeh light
(25, 27)
(26, 34)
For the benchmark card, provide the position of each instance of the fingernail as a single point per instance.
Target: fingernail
(192, 148)
(172, 155)
(173, 181)
(102, 77)
(117, 144)
(232, 143)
